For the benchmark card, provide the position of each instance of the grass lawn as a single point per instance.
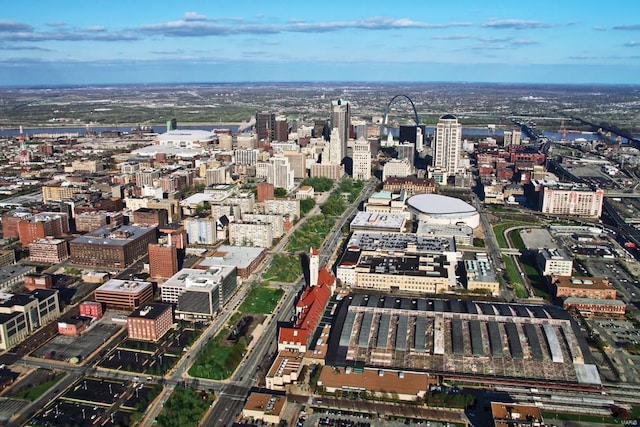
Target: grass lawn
(538, 282)
(499, 228)
(516, 239)
(261, 300)
(311, 233)
(514, 277)
(283, 268)
(35, 392)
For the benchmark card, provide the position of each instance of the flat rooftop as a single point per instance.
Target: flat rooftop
(378, 220)
(378, 241)
(194, 279)
(124, 286)
(115, 237)
(232, 256)
(150, 310)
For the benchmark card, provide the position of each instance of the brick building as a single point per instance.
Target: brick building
(38, 281)
(42, 225)
(48, 250)
(116, 248)
(150, 217)
(91, 309)
(150, 321)
(163, 260)
(265, 191)
(124, 294)
(583, 287)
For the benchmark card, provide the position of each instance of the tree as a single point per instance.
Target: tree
(279, 193)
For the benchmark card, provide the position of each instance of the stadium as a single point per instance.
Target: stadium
(438, 209)
(462, 340)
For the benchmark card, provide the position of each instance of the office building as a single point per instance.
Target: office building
(91, 309)
(362, 159)
(109, 247)
(42, 225)
(48, 250)
(410, 185)
(265, 126)
(150, 321)
(281, 129)
(298, 162)
(124, 294)
(245, 259)
(447, 145)
(22, 314)
(258, 234)
(150, 217)
(199, 294)
(396, 168)
(481, 275)
(583, 287)
(341, 120)
(7, 257)
(555, 262)
(163, 260)
(245, 157)
(265, 191)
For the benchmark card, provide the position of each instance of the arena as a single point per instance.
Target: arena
(438, 209)
(462, 340)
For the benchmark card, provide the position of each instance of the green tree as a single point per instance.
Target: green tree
(279, 193)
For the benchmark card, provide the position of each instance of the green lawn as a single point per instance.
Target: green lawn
(514, 277)
(261, 300)
(516, 239)
(311, 233)
(283, 268)
(499, 228)
(35, 392)
(538, 281)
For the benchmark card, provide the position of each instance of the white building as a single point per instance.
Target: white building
(397, 167)
(277, 172)
(362, 159)
(246, 157)
(251, 234)
(201, 230)
(512, 137)
(446, 152)
(555, 262)
(186, 138)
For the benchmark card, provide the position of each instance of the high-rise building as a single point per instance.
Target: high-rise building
(265, 126)
(341, 119)
(277, 172)
(281, 132)
(314, 266)
(362, 159)
(407, 150)
(512, 137)
(446, 152)
(265, 191)
(163, 260)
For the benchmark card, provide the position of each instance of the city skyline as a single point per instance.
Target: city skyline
(168, 42)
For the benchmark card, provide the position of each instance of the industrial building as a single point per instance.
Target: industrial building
(462, 340)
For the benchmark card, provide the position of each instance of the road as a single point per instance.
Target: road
(233, 395)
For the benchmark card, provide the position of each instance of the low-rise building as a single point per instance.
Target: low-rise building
(555, 262)
(373, 221)
(38, 281)
(481, 275)
(462, 233)
(150, 321)
(583, 287)
(516, 415)
(264, 407)
(245, 259)
(596, 306)
(124, 294)
(285, 370)
(48, 250)
(74, 327)
(13, 274)
(91, 309)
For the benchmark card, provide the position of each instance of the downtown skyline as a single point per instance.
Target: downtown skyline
(120, 42)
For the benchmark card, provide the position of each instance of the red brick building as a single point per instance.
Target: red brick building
(265, 191)
(73, 327)
(163, 260)
(150, 217)
(583, 287)
(42, 225)
(91, 309)
(38, 281)
(596, 307)
(150, 321)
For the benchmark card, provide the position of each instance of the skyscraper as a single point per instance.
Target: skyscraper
(265, 126)
(446, 151)
(341, 119)
(362, 159)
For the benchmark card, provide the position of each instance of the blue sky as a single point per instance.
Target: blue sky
(140, 41)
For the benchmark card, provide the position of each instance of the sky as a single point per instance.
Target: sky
(71, 42)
